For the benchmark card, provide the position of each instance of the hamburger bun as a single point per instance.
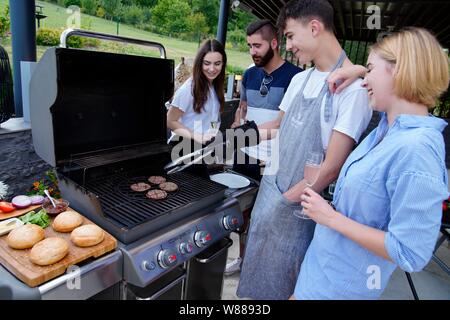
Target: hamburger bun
(49, 251)
(25, 237)
(67, 221)
(87, 235)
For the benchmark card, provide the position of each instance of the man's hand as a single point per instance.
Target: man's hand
(294, 194)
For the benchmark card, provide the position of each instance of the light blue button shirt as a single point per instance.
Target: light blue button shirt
(395, 181)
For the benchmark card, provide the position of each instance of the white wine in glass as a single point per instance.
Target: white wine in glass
(311, 173)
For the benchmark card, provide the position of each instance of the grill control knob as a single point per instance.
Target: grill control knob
(230, 222)
(167, 258)
(147, 266)
(186, 247)
(201, 238)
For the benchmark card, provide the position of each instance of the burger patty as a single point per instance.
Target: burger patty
(168, 186)
(156, 194)
(140, 187)
(156, 179)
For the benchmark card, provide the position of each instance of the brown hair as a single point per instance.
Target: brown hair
(200, 84)
(421, 66)
(305, 11)
(264, 28)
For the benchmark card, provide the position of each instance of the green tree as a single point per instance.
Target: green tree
(89, 6)
(171, 16)
(209, 9)
(145, 3)
(68, 3)
(5, 22)
(197, 25)
(112, 7)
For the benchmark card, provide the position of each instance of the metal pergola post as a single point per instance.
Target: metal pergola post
(223, 21)
(23, 30)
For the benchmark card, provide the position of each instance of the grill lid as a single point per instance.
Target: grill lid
(83, 102)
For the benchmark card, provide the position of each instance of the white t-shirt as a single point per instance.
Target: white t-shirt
(351, 112)
(197, 122)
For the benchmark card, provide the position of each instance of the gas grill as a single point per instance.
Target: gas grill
(99, 119)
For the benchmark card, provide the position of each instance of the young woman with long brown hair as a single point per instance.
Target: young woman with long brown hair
(196, 106)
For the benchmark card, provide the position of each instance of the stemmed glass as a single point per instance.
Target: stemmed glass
(311, 173)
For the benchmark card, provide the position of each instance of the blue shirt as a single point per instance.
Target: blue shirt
(251, 83)
(395, 181)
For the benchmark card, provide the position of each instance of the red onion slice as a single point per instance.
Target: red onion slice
(21, 202)
(37, 199)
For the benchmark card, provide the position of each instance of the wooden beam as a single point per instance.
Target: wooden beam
(396, 14)
(340, 16)
(352, 24)
(443, 21)
(363, 17)
(405, 18)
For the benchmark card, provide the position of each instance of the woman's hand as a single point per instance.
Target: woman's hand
(343, 77)
(207, 137)
(235, 124)
(317, 208)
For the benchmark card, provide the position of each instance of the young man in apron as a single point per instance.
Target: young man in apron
(263, 89)
(311, 119)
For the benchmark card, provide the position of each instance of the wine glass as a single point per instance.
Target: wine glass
(214, 125)
(311, 173)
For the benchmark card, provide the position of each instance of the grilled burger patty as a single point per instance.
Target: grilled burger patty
(156, 179)
(140, 186)
(156, 194)
(168, 186)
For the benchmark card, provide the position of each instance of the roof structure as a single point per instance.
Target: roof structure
(353, 17)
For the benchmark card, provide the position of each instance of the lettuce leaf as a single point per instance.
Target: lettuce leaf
(40, 218)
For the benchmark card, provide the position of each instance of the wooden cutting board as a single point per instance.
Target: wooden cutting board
(18, 212)
(19, 264)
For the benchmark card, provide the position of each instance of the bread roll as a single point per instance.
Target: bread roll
(67, 221)
(49, 251)
(87, 235)
(25, 237)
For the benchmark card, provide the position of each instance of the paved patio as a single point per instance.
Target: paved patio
(431, 284)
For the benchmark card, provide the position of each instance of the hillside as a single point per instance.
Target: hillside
(57, 17)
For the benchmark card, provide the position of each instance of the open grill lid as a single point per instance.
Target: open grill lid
(87, 102)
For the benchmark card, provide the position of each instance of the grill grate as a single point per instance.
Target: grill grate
(128, 208)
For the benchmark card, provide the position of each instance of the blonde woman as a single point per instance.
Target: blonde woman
(388, 198)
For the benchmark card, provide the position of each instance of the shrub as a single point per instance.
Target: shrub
(4, 22)
(89, 6)
(100, 12)
(133, 15)
(68, 3)
(47, 37)
(234, 70)
(50, 38)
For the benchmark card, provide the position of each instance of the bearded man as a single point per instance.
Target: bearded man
(263, 88)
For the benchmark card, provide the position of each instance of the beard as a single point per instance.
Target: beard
(264, 59)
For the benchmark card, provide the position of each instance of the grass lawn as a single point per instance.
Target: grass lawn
(57, 18)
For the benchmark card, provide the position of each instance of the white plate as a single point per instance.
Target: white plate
(6, 226)
(230, 180)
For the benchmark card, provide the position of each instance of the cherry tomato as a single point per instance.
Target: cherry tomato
(6, 207)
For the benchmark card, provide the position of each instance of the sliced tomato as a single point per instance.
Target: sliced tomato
(6, 207)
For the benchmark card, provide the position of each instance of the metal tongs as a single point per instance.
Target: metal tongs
(177, 165)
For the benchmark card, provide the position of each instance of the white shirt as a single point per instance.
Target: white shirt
(351, 112)
(262, 151)
(197, 122)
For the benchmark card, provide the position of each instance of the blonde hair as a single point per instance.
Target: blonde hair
(422, 67)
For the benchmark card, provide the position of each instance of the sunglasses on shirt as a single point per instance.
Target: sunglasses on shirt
(263, 89)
